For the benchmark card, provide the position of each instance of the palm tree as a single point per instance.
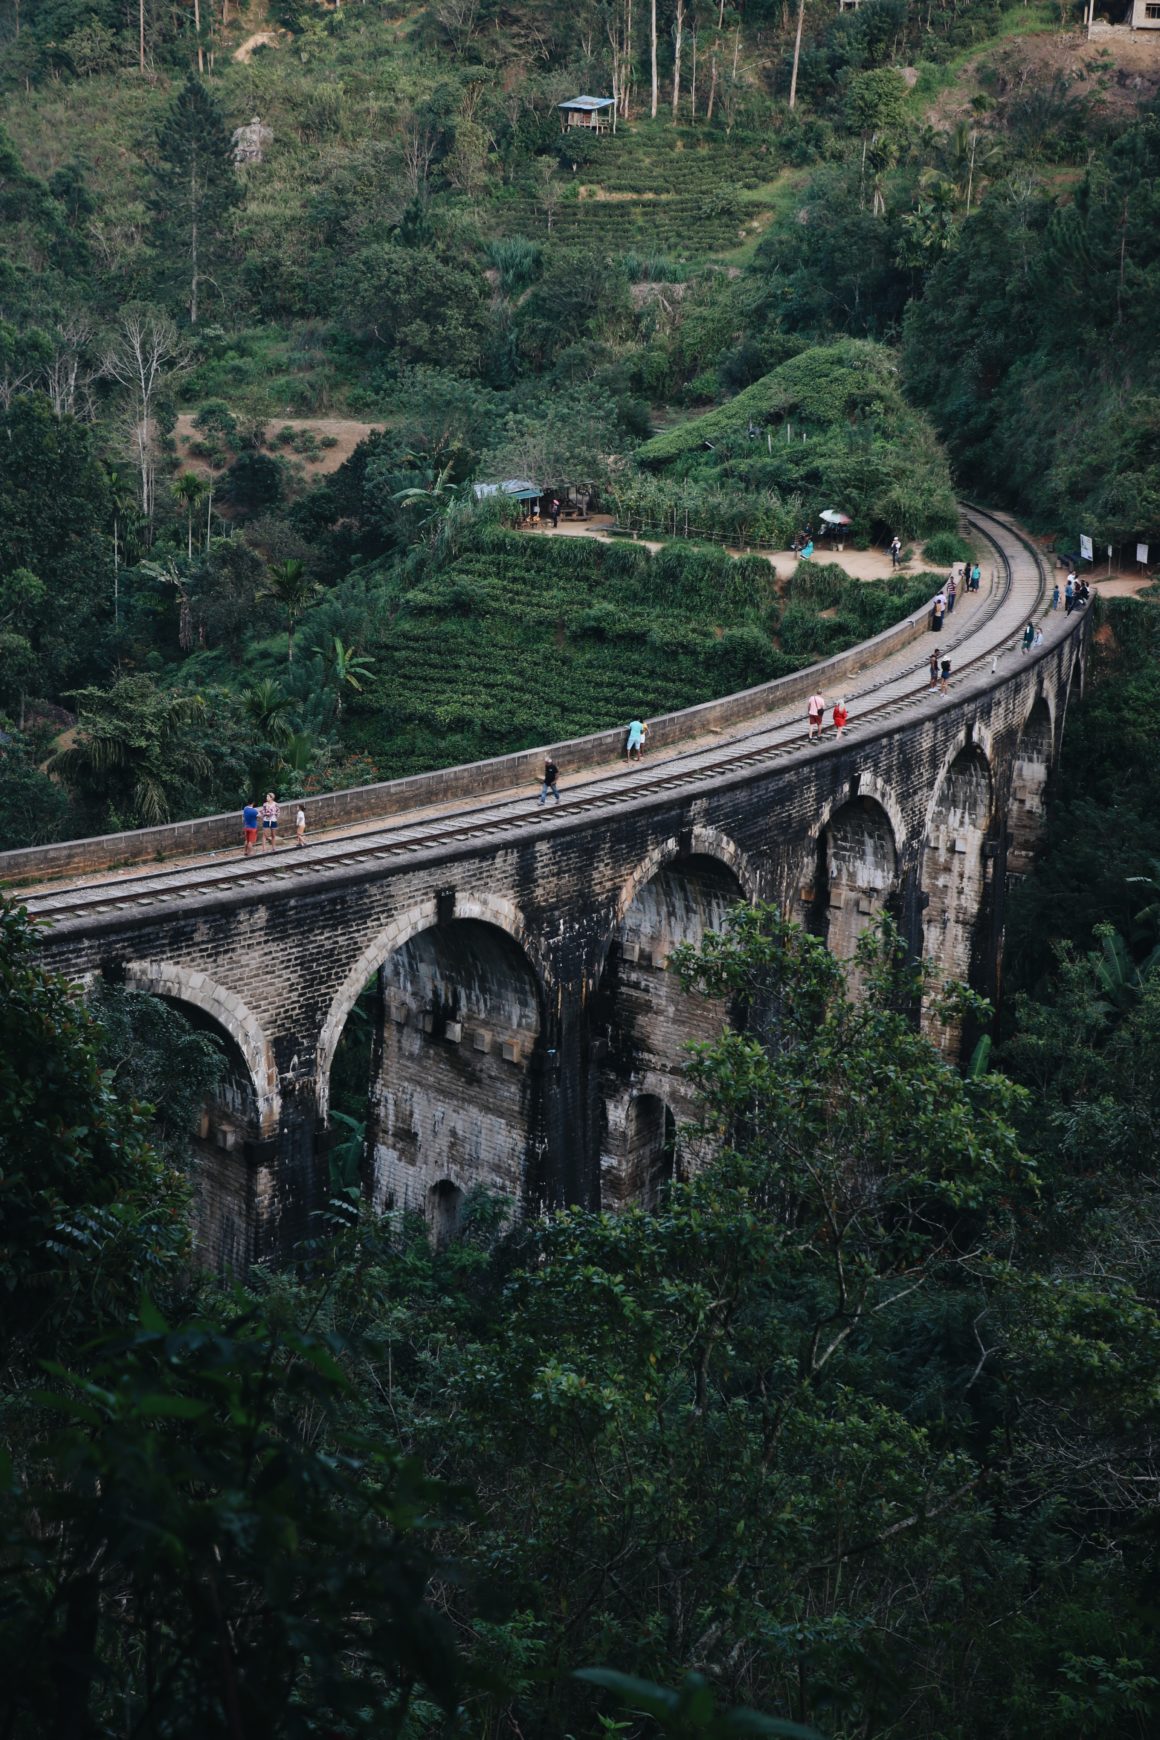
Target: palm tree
(132, 748)
(434, 503)
(168, 574)
(346, 667)
(298, 752)
(122, 497)
(266, 708)
(189, 489)
(289, 585)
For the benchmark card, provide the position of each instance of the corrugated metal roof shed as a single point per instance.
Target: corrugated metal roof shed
(522, 488)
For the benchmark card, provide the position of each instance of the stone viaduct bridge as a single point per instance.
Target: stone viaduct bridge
(528, 1034)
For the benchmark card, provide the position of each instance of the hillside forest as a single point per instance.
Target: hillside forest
(271, 383)
(855, 1436)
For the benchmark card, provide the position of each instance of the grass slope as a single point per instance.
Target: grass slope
(835, 425)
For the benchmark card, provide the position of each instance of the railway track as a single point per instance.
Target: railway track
(879, 695)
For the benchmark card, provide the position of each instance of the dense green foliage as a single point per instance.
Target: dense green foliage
(811, 1430)
(1070, 432)
(833, 424)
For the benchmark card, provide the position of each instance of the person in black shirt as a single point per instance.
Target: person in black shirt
(551, 774)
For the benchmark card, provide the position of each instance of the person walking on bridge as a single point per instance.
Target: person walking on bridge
(944, 674)
(551, 775)
(1029, 637)
(841, 714)
(934, 657)
(637, 738)
(815, 711)
(952, 593)
(250, 824)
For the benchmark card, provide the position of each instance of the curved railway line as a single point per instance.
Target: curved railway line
(986, 631)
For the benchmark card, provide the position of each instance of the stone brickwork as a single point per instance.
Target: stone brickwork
(531, 1030)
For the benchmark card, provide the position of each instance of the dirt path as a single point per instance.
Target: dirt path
(260, 39)
(859, 564)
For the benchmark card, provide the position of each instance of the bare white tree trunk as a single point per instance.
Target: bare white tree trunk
(197, 30)
(63, 375)
(693, 83)
(712, 85)
(614, 43)
(797, 52)
(678, 35)
(653, 47)
(627, 80)
(145, 352)
(141, 33)
(418, 150)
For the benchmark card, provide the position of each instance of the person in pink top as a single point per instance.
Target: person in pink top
(816, 708)
(269, 823)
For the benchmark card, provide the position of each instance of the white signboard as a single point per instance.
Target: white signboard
(1142, 553)
(1085, 547)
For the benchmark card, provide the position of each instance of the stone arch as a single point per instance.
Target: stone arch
(486, 908)
(976, 739)
(956, 873)
(455, 1072)
(856, 874)
(227, 1010)
(703, 842)
(1029, 774)
(643, 1019)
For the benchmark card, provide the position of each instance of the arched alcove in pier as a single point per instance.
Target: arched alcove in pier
(646, 1020)
(652, 1152)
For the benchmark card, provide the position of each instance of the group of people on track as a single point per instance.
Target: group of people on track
(963, 577)
(263, 818)
(816, 717)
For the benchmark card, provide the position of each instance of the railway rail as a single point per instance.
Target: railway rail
(880, 694)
